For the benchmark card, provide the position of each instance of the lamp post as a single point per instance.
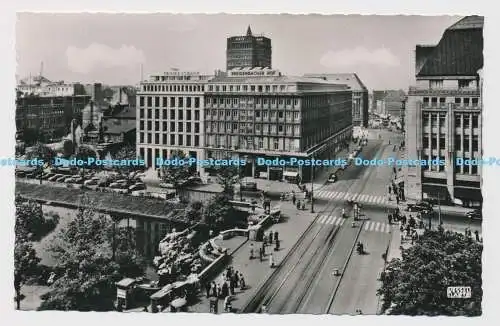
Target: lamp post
(312, 186)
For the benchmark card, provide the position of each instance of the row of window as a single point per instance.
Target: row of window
(254, 143)
(250, 113)
(172, 116)
(459, 101)
(173, 88)
(173, 101)
(466, 121)
(246, 88)
(251, 128)
(164, 125)
(434, 142)
(251, 100)
(169, 139)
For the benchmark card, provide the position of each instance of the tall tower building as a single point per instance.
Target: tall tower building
(248, 51)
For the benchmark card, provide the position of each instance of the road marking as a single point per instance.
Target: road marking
(322, 218)
(337, 194)
(387, 228)
(372, 226)
(342, 221)
(367, 225)
(339, 221)
(331, 220)
(363, 198)
(377, 227)
(380, 199)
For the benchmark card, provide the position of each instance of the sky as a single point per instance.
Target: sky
(110, 48)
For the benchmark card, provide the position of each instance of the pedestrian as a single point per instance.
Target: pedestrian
(231, 286)
(263, 250)
(214, 290)
(275, 236)
(277, 245)
(476, 233)
(227, 304)
(264, 240)
(207, 289)
(225, 289)
(303, 206)
(236, 278)
(294, 199)
(219, 291)
(260, 254)
(271, 237)
(242, 282)
(298, 204)
(389, 218)
(271, 261)
(389, 189)
(397, 200)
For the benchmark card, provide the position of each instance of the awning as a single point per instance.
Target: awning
(291, 174)
(468, 194)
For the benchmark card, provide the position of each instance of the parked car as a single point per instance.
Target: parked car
(92, 182)
(167, 185)
(138, 186)
(476, 214)
(55, 177)
(20, 174)
(421, 206)
(248, 186)
(46, 176)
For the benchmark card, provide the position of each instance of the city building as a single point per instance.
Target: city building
(360, 99)
(444, 116)
(388, 102)
(45, 109)
(248, 51)
(170, 116)
(258, 112)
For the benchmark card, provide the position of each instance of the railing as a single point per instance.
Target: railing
(443, 91)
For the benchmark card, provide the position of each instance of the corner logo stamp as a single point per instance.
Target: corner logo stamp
(459, 292)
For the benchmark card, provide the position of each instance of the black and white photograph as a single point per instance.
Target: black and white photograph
(249, 163)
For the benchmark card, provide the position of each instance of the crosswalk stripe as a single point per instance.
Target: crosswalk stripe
(362, 198)
(387, 228)
(332, 219)
(339, 221)
(367, 225)
(342, 221)
(336, 195)
(321, 193)
(372, 226)
(377, 226)
(356, 197)
(321, 219)
(379, 199)
(372, 199)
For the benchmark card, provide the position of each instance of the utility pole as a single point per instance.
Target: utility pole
(312, 187)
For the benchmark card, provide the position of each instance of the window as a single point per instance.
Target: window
(141, 137)
(434, 120)
(466, 121)
(172, 126)
(426, 101)
(165, 101)
(181, 102)
(442, 101)
(180, 127)
(475, 102)
(141, 100)
(196, 127)
(458, 121)
(141, 125)
(157, 139)
(180, 115)
(475, 121)
(475, 143)
(442, 120)
(458, 100)
(280, 128)
(172, 114)
(188, 102)
(150, 101)
(466, 143)
(181, 140)
(141, 113)
(157, 114)
(165, 126)
(196, 140)
(157, 125)
(196, 102)
(458, 142)
(466, 101)
(164, 139)
(172, 102)
(172, 139)
(280, 114)
(425, 142)
(442, 142)
(434, 101)
(188, 140)
(188, 115)
(197, 115)
(434, 142)
(464, 83)
(188, 126)
(150, 138)
(157, 101)
(436, 83)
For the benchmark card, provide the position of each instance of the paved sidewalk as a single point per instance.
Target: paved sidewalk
(290, 229)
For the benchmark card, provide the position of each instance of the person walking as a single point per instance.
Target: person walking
(277, 245)
(242, 282)
(263, 250)
(207, 289)
(294, 199)
(271, 237)
(389, 189)
(231, 286)
(476, 233)
(214, 290)
(260, 254)
(271, 261)
(275, 236)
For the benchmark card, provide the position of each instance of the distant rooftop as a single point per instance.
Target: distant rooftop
(350, 79)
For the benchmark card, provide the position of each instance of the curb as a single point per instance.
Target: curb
(238, 248)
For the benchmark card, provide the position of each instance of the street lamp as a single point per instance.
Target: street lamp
(312, 186)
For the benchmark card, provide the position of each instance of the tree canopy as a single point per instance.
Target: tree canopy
(84, 260)
(176, 174)
(219, 211)
(227, 177)
(417, 283)
(42, 152)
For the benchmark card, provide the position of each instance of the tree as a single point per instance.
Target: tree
(42, 152)
(227, 177)
(127, 152)
(84, 256)
(84, 153)
(417, 283)
(194, 210)
(25, 258)
(219, 211)
(30, 220)
(178, 173)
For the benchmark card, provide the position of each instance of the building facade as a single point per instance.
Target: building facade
(42, 87)
(248, 51)
(360, 100)
(257, 112)
(389, 102)
(444, 116)
(170, 116)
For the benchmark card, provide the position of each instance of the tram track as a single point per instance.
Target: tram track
(289, 288)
